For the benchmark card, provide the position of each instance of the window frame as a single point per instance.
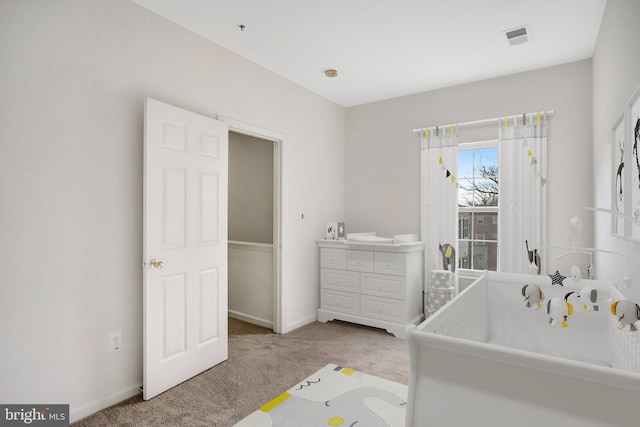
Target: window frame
(469, 146)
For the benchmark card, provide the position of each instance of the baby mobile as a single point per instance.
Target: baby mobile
(590, 298)
(558, 309)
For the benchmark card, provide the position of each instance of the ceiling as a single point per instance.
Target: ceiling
(388, 48)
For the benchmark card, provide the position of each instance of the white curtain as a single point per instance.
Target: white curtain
(439, 198)
(522, 193)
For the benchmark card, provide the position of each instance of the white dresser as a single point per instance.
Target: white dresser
(378, 285)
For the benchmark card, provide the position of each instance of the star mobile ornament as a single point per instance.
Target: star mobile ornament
(557, 278)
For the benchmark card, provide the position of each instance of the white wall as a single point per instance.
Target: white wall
(251, 172)
(616, 74)
(382, 166)
(251, 283)
(73, 81)
(250, 188)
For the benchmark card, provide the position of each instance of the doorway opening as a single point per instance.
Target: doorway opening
(254, 225)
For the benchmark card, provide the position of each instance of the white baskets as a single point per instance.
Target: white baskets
(441, 291)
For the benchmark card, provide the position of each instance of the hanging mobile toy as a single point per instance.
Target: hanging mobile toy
(559, 308)
(533, 296)
(592, 298)
(627, 312)
(534, 259)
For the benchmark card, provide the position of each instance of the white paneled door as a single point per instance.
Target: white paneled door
(185, 245)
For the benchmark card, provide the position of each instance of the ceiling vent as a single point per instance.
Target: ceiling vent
(518, 36)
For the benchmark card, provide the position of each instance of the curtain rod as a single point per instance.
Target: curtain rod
(546, 113)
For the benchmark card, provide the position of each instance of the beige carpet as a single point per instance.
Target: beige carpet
(261, 366)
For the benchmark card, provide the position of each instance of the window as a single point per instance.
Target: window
(460, 204)
(478, 206)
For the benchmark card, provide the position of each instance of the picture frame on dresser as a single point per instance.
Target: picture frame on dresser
(335, 231)
(332, 230)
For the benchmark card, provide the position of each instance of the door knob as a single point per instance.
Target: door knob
(156, 263)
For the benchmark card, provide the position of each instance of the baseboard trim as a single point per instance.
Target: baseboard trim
(99, 405)
(300, 323)
(251, 319)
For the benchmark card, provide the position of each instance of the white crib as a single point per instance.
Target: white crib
(485, 359)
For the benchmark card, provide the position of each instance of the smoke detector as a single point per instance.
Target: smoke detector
(518, 35)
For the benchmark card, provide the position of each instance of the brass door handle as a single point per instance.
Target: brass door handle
(156, 263)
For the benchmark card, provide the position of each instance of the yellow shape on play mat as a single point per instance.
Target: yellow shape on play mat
(336, 421)
(275, 402)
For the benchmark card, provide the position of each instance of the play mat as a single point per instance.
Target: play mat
(335, 396)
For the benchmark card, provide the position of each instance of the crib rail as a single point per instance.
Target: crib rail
(456, 358)
(464, 317)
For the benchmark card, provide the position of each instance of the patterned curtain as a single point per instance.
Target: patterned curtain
(439, 199)
(522, 188)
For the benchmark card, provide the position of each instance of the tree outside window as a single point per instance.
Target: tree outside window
(478, 207)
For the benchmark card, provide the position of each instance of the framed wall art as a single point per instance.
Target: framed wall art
(618, 176)
(633, 132)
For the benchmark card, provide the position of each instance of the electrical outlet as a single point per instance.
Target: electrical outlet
(115, 341)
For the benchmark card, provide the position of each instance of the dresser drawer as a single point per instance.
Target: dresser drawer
(359, 260)
(384, 308)
(391, 263)
(333, 258)
(343, 302)
(340, 280)
(383, 285)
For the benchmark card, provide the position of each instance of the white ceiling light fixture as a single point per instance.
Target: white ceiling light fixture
(518, 35)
